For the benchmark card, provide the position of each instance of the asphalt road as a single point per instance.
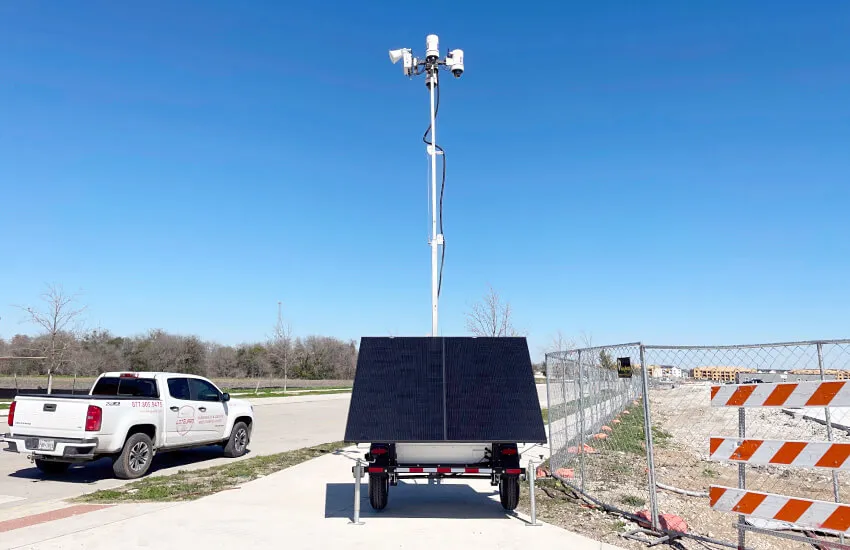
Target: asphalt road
(281, 424)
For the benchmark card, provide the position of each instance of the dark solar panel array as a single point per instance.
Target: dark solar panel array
(423, 389)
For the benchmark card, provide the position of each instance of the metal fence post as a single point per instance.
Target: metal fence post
(564, 409)
(647, 428)
(548, 406)
(532, 476)
(358, 475)
(581, 447)
(742, 477)
(828, 418)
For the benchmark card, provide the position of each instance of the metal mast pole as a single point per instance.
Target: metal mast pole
(431, 81)
(413, 66)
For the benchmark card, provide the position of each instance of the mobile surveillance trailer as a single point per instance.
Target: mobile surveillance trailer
(437, 407)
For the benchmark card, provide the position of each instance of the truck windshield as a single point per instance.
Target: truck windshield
(134, 387)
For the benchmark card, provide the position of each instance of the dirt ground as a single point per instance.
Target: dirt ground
(684, 415)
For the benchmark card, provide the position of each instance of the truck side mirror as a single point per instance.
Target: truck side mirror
(225, 397)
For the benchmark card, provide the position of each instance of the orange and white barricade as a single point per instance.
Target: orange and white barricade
(805, 513)
(803, 454)
(834, 393)
(812, 514)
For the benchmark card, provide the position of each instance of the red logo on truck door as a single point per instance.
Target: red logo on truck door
(185, 419)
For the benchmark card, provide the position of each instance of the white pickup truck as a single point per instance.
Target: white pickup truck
(128, 417)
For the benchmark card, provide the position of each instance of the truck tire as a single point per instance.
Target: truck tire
(379, 490)
(237, 443)
(135, 458)
(51, 468)
(509, 492)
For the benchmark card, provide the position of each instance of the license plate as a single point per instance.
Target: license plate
(46, 444)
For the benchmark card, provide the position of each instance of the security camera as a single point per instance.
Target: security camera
(396, 55)
(405, 54)
(454, 61)
(432, 48)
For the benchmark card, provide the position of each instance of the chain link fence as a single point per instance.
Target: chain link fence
(596, 423)
(601, 447)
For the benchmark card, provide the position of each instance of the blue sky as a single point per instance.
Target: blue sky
(672, 172)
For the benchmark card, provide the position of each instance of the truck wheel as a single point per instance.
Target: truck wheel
(237, 444)
(509, 492)
(51, 468)
(379, 490)
(135, 458)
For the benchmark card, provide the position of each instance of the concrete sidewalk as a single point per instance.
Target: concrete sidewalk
(307, 506)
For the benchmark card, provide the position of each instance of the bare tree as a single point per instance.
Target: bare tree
(280, 346)
(491, 317)
(561, 342)
(60, 321)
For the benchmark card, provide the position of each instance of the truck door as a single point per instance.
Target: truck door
(212, 416)
(180, 414)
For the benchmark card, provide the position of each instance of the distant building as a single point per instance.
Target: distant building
(835, 374)
(665, 371)
(720, 374)
(772, 378)
(669, 371)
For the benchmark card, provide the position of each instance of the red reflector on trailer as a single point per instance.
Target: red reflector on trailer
(513, 471)
(416, 470)
(508, 451)
(444, 470)
(376, 470)
(472, 470)
(378, 451)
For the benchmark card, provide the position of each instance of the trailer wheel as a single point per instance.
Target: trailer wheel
(379, 489)
(48, 467)
(509, 491)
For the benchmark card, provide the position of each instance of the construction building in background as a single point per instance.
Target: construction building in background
(832, 373)
(666, 371)
(778, 377)
(719, 374)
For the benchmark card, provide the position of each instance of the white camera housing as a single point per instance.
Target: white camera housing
(454, 61)
(406, 56)
(432, 47)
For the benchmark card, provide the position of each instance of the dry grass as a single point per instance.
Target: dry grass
(194, 484)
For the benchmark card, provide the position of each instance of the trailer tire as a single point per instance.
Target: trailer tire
(379, 490)
(51, 468)
(135, 458)
(509, 491)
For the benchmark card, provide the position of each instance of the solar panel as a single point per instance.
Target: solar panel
(460, 389)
